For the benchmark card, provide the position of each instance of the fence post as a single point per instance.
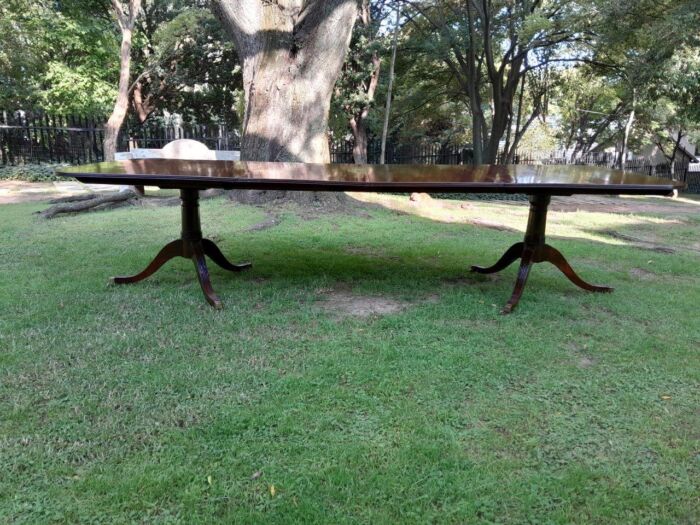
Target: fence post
(2, 138)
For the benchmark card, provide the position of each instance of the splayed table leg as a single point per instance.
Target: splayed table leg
(535, 250)
(192, 246)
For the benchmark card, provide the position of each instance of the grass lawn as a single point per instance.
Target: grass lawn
(143, 404)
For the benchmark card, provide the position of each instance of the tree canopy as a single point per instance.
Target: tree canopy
(581, 75)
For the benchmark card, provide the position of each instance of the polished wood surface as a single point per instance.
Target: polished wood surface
(203, 174)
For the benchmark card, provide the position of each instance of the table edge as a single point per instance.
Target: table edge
(201, 183)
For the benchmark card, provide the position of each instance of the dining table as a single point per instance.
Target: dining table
(538, 182)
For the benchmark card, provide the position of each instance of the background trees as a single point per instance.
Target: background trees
(355, 90)
(499, 74)
(185, 64)
(63, 57)
(60, 58)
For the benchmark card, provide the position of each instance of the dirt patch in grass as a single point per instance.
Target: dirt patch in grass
(347, 304)
(642, 274)
(586, 362)
(343, 303)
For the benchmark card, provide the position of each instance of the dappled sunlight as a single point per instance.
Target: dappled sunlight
(692, 200)
(512, 216)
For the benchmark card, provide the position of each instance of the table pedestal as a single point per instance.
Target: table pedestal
(534, 250)
(190, 245)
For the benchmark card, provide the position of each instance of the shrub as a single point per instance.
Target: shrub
(31, 172)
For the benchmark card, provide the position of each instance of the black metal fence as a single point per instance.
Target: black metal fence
(341, 153)
(28, 137)
(34, 138)
(157, 133)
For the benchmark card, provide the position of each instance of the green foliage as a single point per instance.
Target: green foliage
(588, 106)
(541, 136)
(60, 57)
(64, 58)
(196, 65)
(31, 173)
(676, 94)
(76, 91)
(23, 50)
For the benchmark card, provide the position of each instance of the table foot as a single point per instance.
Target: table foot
(534, 250)
(526, 261)
(200, 265)
(212, 251)
(192, 246)
(552, 255)
(169, 251)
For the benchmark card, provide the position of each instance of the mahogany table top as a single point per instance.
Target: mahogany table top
(529, 179)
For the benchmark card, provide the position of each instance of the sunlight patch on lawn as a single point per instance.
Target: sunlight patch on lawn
(513, 216)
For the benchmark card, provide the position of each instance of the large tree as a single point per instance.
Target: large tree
(292, 53)
(493, 46)
(126, 15)
(356, 88)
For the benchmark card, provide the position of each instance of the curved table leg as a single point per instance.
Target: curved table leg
(169, 251)
(212, 251)
(555, 257)
(200, 265)
(534, 250)
(513, 253)
(523, 272)
(190, 245)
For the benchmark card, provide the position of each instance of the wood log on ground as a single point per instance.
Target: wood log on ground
(102, 201)
(80, 204)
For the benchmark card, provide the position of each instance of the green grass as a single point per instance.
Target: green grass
(143, 404)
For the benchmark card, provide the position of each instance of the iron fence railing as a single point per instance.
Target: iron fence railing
(31, 138)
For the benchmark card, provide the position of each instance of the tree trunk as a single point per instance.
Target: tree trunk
(358, 121)
(473, 92)
(291, 60)
(286, 117)
(625, 139)
(676, 147)
(626, 134)
(390, 88)
(143, 106)
(292, 57)
(121, 105)
(126, 20)
(359, 124)
(359, 134)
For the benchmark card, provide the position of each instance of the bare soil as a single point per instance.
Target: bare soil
(342, 303)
